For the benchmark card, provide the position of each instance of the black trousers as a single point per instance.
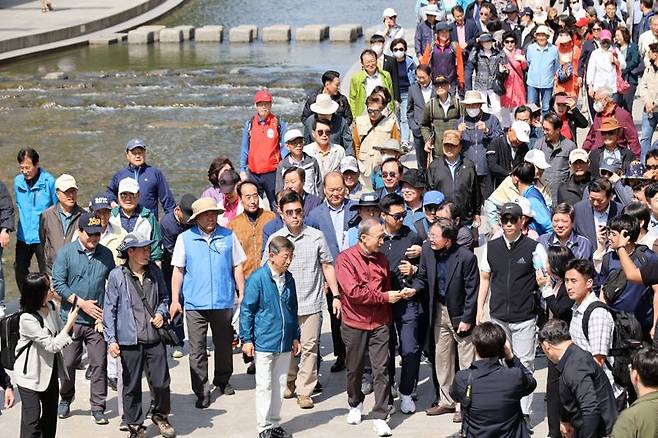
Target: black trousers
(553, 401)
(24, 254)
(97, 353)
(421, 155)
(336, 337)
(222, 337)
(39, 409)
(405, 325)
(135, 359)
(375, 342)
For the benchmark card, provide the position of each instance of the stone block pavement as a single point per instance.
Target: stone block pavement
(234, 416)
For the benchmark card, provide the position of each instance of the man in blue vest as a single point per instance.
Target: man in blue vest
(207, 261)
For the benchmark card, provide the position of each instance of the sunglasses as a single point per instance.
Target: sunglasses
(323, 132)
(399, 49)
(374, 111)
(397, 216)
(510, 41)
(389, 174)
(604, 172)
(596, 29)
(509, 220)
(127, 195)
(293, 213)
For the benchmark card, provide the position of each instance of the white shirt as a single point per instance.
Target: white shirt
(279, 279)
(445, 105)
(614, 154)
(601, 72)
(372, 82)
(427, 92)
(178, 257)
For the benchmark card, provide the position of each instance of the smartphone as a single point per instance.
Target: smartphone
(75, 302)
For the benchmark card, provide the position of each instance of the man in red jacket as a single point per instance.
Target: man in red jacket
(365, 279)
(605, 106)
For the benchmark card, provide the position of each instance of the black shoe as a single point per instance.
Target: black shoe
(123, 426)
(112, 383)
(88, 373)
(64, 409)
(338, 366)
(318, 388)
(278, 432)
(267, 433)
(203, 402)
(251, 369)
(227, 389)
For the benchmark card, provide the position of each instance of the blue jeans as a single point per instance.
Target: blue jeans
(404, 125)
(541, 96)
(648, 127)
(2, 280)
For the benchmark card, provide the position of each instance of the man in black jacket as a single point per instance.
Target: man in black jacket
(402, 248)
(330, 86)
(588, 402)
(6, 227)
(507, 151)
(489, 392)
(506, 264)
(456, 177)
(447, 281)
(579, 178)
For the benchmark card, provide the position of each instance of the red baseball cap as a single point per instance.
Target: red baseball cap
(263, 96)
(582, 22)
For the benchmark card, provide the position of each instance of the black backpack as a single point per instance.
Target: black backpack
(616, 281)
(626, 340)
(9, 336)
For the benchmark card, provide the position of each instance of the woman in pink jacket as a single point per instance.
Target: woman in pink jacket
(515, 83)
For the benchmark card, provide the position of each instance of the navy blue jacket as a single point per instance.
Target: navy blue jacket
(319, 218)
(152, 187)
(584, 218)
(170, 228)
(268, 319)
(495, 402)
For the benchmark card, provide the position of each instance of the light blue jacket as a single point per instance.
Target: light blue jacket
(31, 202)
(541, 221)
(268, 319)
(542, 65)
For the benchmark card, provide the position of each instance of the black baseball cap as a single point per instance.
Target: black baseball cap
(90, 223)
(512, 209)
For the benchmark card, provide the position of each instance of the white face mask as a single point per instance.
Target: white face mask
(399, 55)
(598, 107)
(473, 112)
(576, 7)
(378, 48)
(488, 45)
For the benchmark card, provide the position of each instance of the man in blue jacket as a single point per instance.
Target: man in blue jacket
(152, 182)
(34, 190)
(523, 177)
(207, 261)
(269, 331)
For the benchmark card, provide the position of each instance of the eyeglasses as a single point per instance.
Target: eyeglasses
(293, 213)
(509, 220)
(127, 195)
(377, 238)
(431, 208)
(389, 174)
(323, 132)
(397, 216)
(374, 111)
(596, 29)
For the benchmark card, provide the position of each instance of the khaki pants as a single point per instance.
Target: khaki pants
(445, 339)
(305, 375)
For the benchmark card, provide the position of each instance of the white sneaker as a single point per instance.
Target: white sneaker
(381, 428)
(407, 405)
(354, 415)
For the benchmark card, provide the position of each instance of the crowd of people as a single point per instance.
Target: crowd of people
(371, 212)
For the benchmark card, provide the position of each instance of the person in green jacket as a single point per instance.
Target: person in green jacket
(640, 419)
(363, 82)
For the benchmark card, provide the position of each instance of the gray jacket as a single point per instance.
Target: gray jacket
(558, 158)
(119, 315)
(481, 70)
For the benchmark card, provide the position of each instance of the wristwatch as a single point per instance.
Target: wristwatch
(336, 297)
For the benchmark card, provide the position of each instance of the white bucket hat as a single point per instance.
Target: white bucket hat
(324, 105)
